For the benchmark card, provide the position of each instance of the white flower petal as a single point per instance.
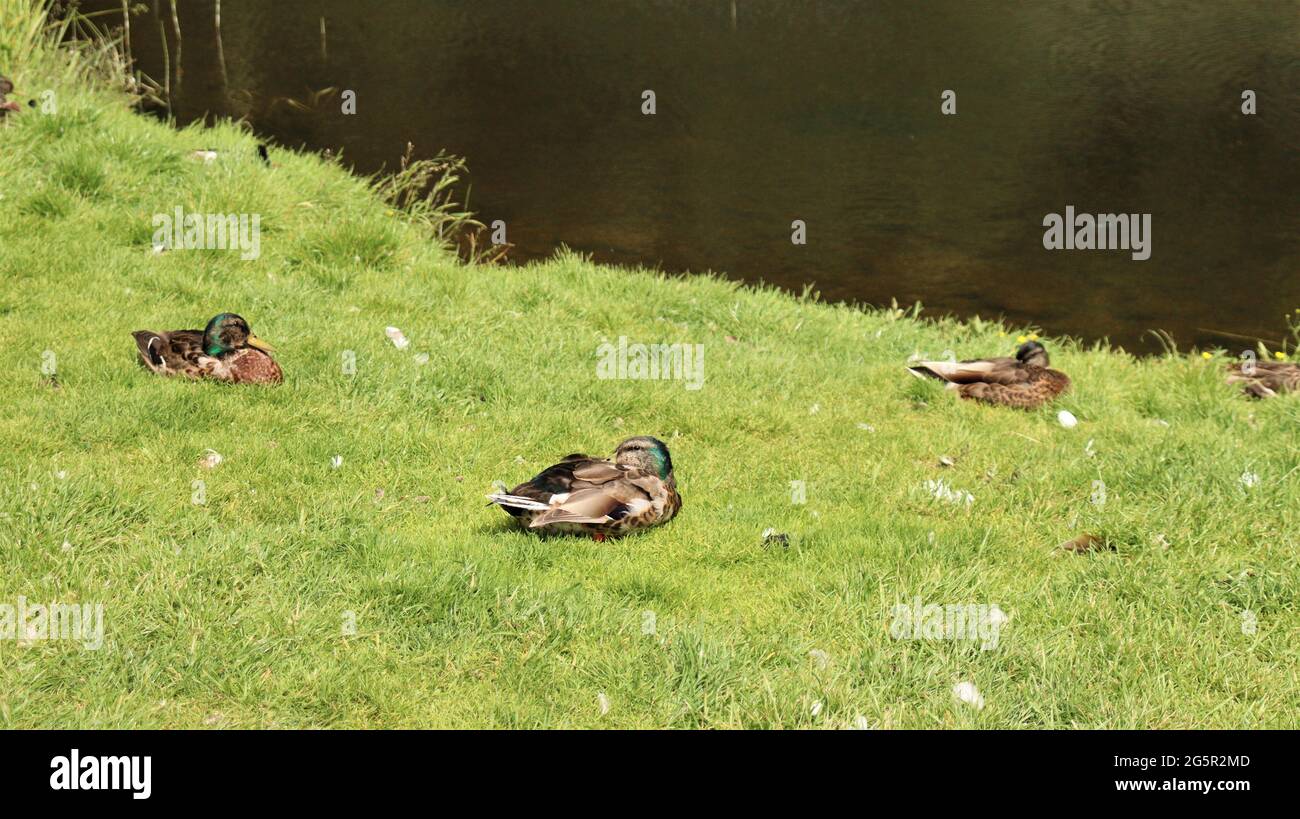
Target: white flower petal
(967, 692)
(941, 491)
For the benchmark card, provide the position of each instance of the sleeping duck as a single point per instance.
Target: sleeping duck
(1265, 379)
(636, 490)
(1024, 382)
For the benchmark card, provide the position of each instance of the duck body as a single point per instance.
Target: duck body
(7, 106)
(1265, 379)
(225, 351)
(1024, 382)
(596, 496)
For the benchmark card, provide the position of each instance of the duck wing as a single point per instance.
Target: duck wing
(987, 370)
(576, 471)
(1266, 378)
(175, 352)
(629, 494)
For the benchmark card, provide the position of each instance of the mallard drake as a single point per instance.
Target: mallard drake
(6, 88)
(1024, 382)
(1265, 379)
(636, 490)
(226, 350)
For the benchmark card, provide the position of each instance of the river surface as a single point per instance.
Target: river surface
(824, 112)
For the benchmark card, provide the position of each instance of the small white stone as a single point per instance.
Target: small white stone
(336, 461)
(817, 708)
(395, 335)
(1067, 419)
(603, 702)
(967, 692)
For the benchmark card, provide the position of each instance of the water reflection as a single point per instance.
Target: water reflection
(826, 112)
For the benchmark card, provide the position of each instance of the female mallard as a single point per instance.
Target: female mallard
(1024, 382)
(1265, 379)
(226, 350)
(636, 490)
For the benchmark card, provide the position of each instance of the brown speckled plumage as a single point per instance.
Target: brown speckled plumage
(580, 494)
(1023, 382)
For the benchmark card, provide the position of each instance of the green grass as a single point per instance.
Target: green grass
(231, 613)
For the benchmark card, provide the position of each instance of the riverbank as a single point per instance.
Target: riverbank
(339, 567)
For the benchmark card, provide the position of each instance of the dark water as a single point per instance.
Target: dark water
(828, 112)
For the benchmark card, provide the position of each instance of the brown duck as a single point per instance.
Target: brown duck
(1265, 379)
(636, 490)
(226, 350)
(1024, 382)
(6, 88)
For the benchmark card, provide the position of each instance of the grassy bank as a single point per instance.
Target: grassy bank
(238, 611)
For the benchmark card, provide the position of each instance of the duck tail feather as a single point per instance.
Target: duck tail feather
(517, 502)
(150, 345)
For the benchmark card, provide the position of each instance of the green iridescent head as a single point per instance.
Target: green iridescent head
(646, 453)
(228, 332)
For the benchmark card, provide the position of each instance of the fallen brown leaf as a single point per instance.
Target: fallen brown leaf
(1085, 543)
